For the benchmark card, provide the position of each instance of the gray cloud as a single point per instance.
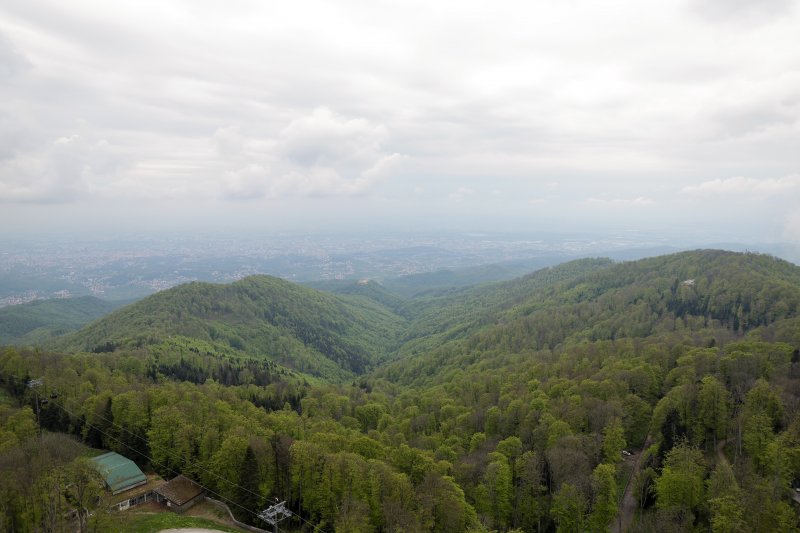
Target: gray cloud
(286, 101)
(320, 154)
(67, 168)
(743, 12)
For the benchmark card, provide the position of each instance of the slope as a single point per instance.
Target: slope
(721, 294)
(459, 313)
(367, 289)
(259, 316)
(38, 321)
(427, 283)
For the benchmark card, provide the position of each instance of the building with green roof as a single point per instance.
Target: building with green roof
(119, 473)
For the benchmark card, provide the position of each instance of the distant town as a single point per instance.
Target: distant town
(133, 268)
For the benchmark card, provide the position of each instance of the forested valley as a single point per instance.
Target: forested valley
(653, 395)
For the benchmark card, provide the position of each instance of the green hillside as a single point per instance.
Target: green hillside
(369, 289)
(259, 316)
(427, 283)
(652, 395)
(355, 325)
(735, 291)
(719, 293)
(457, 313)
(37, 322)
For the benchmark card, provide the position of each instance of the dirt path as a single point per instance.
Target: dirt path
(190, 530)
(627, 508)
(208, 511)
(720, 451)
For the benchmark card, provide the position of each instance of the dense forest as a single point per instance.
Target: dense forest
(654, 395)
(40, 321)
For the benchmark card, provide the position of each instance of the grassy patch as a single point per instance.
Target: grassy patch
(5, 399)
(147, 523)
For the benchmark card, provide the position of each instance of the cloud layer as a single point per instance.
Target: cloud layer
(754, 188)
(316, 155)
(451, 107)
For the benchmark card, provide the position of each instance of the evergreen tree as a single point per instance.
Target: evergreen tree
(248, 492)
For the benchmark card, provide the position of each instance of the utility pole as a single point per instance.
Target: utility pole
(35, 384)
(274, 514)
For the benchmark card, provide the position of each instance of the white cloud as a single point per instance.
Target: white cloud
(616, 102)
(321, 154)
(753, 187)
(324, 139)
(62, 170)
(245, 183)
(639, 201)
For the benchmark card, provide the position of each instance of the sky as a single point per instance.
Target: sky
(670, 117)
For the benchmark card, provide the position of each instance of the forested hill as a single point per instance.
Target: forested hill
(361, 323)
(457, 313)
(260, 316)
(724, 294)
(36, 322)
(660, 395)
(369, 289)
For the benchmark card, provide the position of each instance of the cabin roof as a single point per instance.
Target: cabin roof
(119, 472)
(180, 490)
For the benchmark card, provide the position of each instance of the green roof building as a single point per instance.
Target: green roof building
(120, 473)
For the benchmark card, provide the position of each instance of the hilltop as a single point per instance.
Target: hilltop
(709, 293)
(259, 316)
(348, 328)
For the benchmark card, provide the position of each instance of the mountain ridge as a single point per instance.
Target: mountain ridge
(360, 325)
(260, 316)
(687, 292)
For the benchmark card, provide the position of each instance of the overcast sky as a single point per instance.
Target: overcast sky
(540, 116)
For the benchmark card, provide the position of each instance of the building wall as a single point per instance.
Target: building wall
(138, 500)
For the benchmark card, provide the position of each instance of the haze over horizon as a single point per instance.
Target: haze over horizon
(676, 119)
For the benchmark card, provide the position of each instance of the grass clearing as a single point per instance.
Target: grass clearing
(150, 522)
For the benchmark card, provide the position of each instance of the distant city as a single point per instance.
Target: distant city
(133, 268)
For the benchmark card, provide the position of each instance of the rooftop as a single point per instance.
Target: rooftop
(119, 473)
(179, 490)
(153, 482)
